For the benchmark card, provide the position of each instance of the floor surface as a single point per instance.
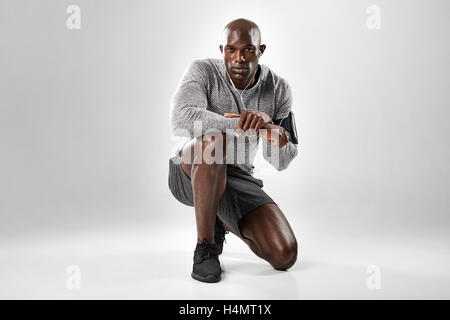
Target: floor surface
(131, 262)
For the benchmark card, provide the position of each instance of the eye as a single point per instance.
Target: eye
(228, 49)
(249, 49)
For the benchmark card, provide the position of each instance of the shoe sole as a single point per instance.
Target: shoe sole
(209, 279)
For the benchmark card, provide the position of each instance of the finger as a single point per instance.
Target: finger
(285, 139)
(274, 137)
(251, 128)
(259, 124)
(255, 119)
(232, 115)
(242, 120)
(285, 142)
(280, 140)
(247, 121)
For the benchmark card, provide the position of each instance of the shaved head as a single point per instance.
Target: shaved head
(242, 27)
(241, 48)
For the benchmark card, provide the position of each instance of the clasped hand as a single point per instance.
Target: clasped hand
(254, 120)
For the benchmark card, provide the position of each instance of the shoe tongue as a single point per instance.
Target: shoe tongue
(205, 250)
(207, 246)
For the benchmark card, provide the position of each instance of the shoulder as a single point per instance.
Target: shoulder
(276, 82)
(205, 69)
(279, 85)
(205, 65)
(271, 78)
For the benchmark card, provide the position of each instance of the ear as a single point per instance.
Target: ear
(221, 49)
(261, 49)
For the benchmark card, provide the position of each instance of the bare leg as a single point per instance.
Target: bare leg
(269, 236)
(208, 182)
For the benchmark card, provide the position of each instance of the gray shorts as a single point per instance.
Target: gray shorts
(242, 194)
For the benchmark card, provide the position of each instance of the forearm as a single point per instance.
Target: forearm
(279, 158)
(188, 120)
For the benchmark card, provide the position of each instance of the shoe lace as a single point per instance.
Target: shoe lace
(222, 232)
(205, 250)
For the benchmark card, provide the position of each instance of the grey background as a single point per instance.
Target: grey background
(85, 135)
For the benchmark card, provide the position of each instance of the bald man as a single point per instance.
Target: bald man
(219, 105)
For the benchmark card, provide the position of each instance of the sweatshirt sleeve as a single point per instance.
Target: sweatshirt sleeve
(189, 106)
(280, 158)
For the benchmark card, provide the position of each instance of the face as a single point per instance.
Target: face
(241, 53)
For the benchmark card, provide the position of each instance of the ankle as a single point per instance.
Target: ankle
(208, 240)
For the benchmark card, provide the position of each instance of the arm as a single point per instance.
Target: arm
(283, 128)
(281, 145)
(189, 106)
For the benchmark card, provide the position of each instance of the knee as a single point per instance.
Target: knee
(284, 256)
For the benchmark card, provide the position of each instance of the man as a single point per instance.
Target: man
(237, 94)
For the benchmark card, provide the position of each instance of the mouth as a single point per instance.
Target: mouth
(239, 70)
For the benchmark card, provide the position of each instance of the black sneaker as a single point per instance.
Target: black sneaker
(219, 234)
(206, 263)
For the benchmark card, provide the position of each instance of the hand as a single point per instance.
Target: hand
(250, 119)
(276, 135)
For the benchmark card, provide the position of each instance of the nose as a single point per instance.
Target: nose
(239, 56)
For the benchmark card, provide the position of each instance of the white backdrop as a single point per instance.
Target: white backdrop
(85, 135)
